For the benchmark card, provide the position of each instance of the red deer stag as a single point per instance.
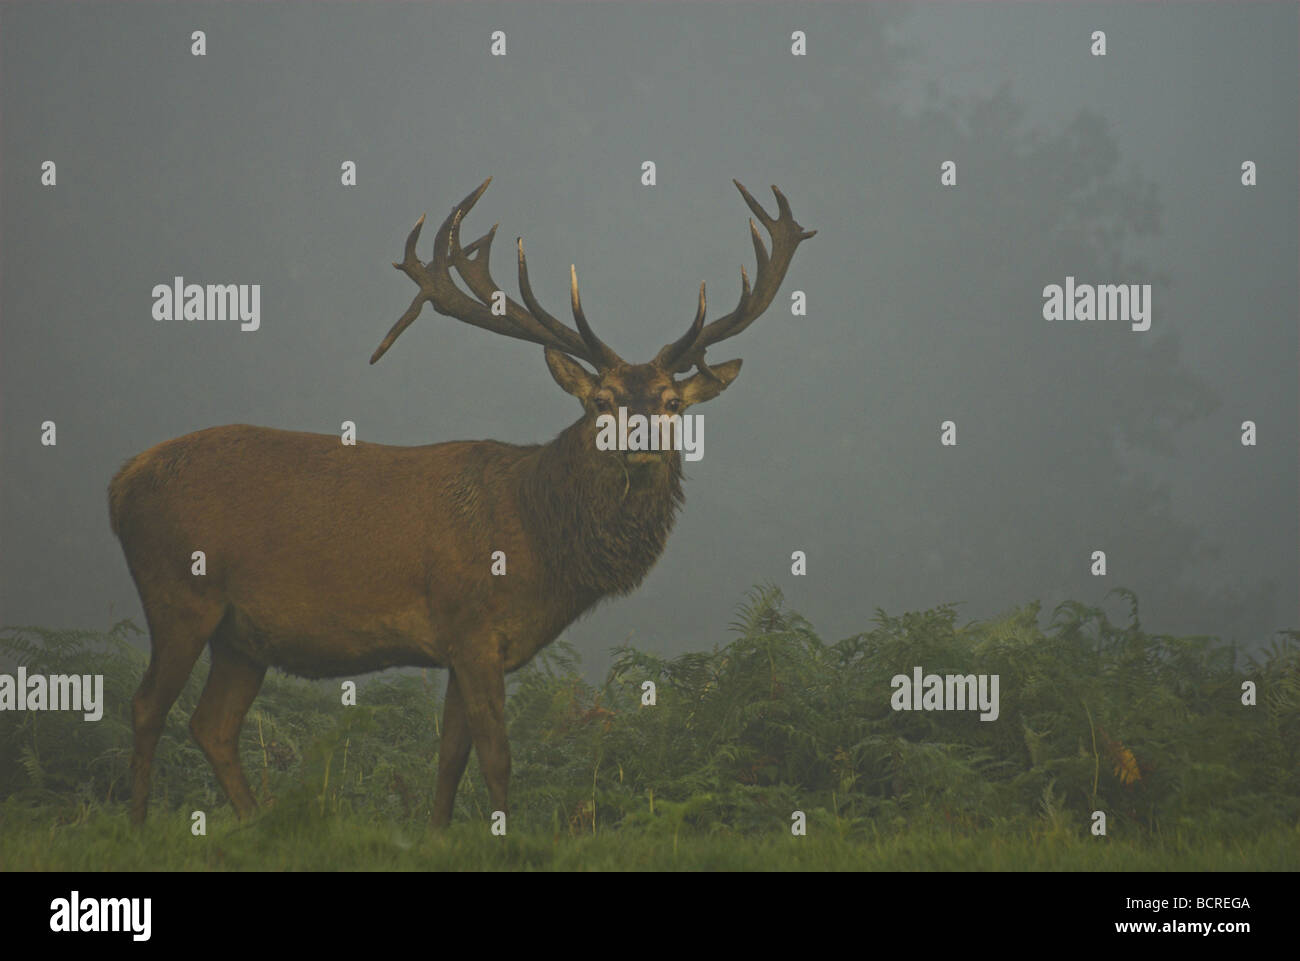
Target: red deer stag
(329, 560)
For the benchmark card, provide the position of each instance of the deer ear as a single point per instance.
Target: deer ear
(700, 387)
(571, 375)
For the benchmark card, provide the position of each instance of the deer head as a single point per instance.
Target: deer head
(650, 388)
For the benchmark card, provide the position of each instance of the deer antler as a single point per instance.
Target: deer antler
(688, 350)
(438, 287)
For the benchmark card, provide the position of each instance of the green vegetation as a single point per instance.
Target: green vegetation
(1094, 716)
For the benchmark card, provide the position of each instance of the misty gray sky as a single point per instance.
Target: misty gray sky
(925, 302)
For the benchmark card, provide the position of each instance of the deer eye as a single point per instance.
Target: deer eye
(673, 405)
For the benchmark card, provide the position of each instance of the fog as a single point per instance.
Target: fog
(924, 301)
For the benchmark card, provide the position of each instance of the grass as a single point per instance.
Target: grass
(1150, 729)
(103, 841)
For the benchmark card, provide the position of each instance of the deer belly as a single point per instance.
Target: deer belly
(327, 644)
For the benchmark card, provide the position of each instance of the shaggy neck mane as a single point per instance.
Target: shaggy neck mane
(601, 522)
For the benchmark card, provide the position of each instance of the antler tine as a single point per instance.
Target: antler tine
(533, 323)
(668, 356)
(438, 288)
(607, 356)
(549, 321)
(786, 236)
(409, 263)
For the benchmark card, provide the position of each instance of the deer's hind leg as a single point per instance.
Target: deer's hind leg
(179, 626)
(232, 685)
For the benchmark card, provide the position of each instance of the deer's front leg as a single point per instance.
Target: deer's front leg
(481, 678)
(453, 753)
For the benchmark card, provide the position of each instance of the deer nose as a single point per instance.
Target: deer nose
(644, 456)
